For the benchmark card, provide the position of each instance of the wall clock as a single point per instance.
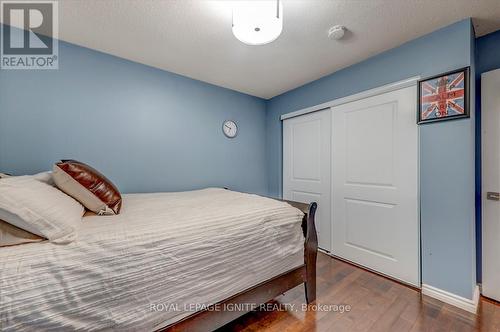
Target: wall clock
(230, 129)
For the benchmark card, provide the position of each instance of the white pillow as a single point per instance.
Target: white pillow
(39, 208)
(45, 177)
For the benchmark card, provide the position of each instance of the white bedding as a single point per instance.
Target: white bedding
(188, 248)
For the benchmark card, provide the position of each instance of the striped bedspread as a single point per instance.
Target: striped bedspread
(165, 256)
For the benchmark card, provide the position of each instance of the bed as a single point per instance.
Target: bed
(168, 261)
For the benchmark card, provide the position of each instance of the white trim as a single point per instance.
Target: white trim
(361, 95)
(453, 299)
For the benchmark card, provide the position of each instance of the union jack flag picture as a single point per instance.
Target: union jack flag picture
(444, 97)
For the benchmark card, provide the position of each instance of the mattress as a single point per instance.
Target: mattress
(165, 256)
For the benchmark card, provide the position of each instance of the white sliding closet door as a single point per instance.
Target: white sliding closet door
(375, 184)
(306, 166)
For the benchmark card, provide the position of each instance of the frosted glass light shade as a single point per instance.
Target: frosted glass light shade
(257, 22)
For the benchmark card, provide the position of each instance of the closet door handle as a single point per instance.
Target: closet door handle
(493, 196)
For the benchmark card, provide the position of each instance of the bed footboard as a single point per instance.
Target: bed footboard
(310, 247)
(310, 253)
(208, 320)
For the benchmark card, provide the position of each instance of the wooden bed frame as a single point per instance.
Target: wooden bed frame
(209, 320)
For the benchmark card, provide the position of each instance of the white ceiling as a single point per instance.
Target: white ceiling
(194, 38)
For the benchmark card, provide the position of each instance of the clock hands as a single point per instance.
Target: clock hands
(229, 128)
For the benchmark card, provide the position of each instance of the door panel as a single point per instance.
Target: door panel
(490, 128)
(360, 230)
(375, 184)
(306, 137)
(369, 137)
(306, 166)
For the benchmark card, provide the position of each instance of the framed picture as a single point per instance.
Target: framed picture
(444, 97)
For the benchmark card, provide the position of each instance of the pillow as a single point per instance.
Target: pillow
(39, 208)
(11, 235)
(87, 186)
(45, 177)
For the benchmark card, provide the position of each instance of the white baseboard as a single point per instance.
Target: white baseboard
(453, 299)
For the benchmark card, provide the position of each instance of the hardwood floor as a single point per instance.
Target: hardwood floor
(376, 304)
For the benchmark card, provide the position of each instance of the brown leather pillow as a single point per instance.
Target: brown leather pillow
(88, 186)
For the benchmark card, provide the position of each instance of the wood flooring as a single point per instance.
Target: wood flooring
(375, 303)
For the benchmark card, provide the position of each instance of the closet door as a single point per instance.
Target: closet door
(375, 184)
(306, 166)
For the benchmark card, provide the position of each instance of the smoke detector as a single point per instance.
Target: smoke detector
(336, 32)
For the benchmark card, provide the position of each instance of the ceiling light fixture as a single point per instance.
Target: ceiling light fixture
(257, 22)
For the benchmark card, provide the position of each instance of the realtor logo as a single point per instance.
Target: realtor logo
(29, 35)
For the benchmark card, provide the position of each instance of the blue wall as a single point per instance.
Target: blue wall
(488, 52)
(147, 129)
(447, 148)
(487, 58)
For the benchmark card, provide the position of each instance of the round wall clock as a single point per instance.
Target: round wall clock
(230, 129)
